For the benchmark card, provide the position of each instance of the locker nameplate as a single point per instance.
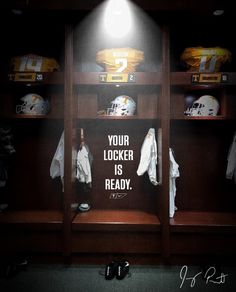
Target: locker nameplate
(117, 78)
(26, 77)
(209, 78)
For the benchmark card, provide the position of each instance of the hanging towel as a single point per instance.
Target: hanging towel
(174, 173)
(84, 160)
(57, 164)
(148, 159)
(231, 166)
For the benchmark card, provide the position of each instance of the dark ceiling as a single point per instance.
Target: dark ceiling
(189, 10)
(162, 5)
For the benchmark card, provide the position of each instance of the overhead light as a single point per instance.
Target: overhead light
(218, 12)
(117, 18)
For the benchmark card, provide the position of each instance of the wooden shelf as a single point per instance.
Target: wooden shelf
(209, 118)
(126, 220)
(92, 78)
(106, 117)
(32, 219)
(185, 221)
(32, 117)
(135, 117)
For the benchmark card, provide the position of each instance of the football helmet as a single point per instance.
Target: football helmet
(199, 59)
(206, 105)
(33, 104)
(122, 105)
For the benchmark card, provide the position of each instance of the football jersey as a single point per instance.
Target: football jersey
(33, 63)
(201, 59)
(120, 60)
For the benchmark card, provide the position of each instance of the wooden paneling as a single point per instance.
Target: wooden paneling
(143, 195)
(201, 149)
(208, 244)
(29, 185)
(116, 242)
(28, 242)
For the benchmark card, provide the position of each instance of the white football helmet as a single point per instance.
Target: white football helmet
(33, 104)
(206, 105)
(122, 105)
